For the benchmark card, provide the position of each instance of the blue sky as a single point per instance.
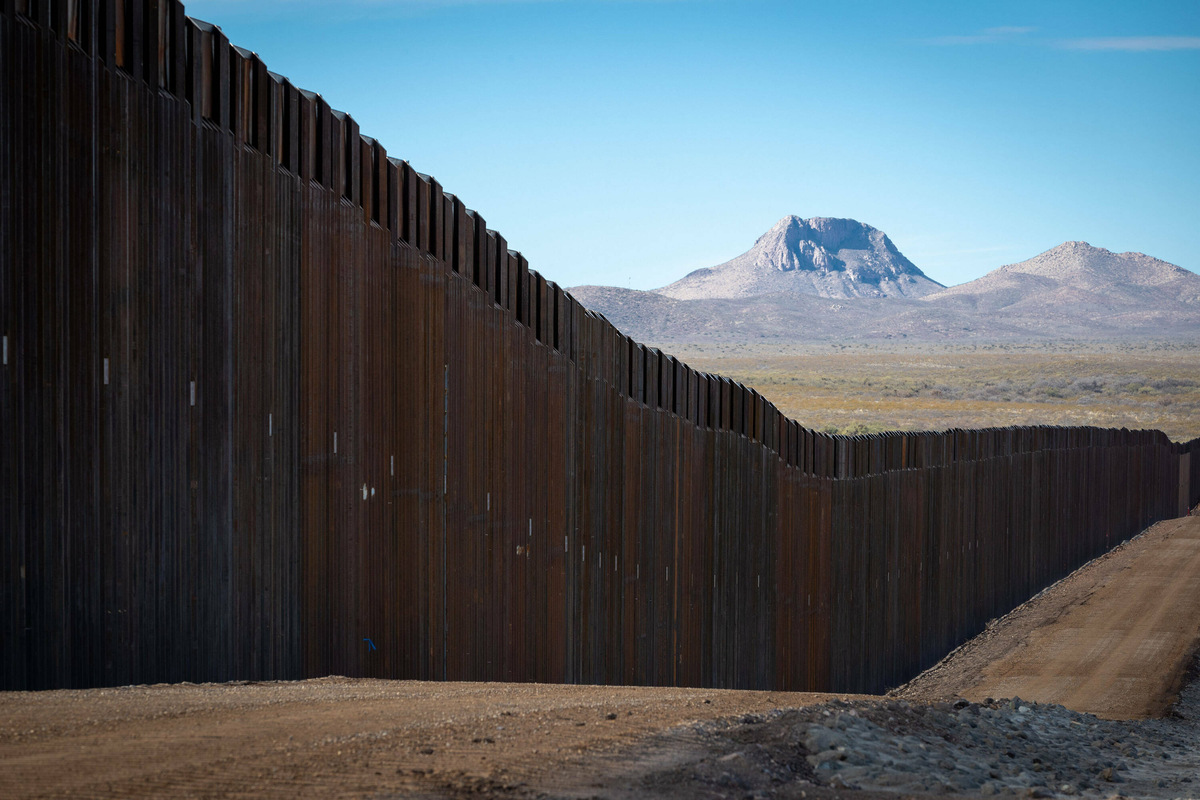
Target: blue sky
(627, 142)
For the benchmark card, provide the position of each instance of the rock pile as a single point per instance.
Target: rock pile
(996, 748)
(1000, 748)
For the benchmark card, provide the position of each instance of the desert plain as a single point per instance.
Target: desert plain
(870, 387)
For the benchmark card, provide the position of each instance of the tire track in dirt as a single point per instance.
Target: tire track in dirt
(333, 737)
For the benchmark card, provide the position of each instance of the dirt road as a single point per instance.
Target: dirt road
(332, 737)
(1112, 639)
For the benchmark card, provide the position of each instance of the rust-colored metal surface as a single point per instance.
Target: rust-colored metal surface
(274, 405)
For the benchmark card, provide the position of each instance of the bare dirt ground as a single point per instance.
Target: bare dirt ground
(1126, 621)
(334, 737)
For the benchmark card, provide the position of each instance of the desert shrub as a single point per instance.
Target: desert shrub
(1091, 384)
(1172, 384)
(855, 429)
(1051, 387)
(1126, 383)
(945, 392)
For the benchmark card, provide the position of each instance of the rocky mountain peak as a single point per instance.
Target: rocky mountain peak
(823, 256)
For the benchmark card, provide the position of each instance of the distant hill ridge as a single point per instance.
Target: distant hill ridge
(810, 280)
(821, 256)
(1075, 260)
(1077, 277)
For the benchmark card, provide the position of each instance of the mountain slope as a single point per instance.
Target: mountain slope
(1079, 279)
(1073, 291)
(825, 257)
(652, 318)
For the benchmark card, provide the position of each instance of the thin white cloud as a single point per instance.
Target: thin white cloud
(1133, 44)
(1002, 33)
(1006, 34)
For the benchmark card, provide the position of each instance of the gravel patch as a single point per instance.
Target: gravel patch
(1007, 747)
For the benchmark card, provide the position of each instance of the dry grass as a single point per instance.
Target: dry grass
(856, 389)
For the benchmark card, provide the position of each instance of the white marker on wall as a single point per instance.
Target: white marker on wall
(6, 351)
(106, 372)
(335, 443)
(270, 424)
(192, 392)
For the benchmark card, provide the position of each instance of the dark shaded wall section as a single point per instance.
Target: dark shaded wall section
(268, 394)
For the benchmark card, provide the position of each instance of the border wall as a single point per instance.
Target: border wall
(268, 393)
